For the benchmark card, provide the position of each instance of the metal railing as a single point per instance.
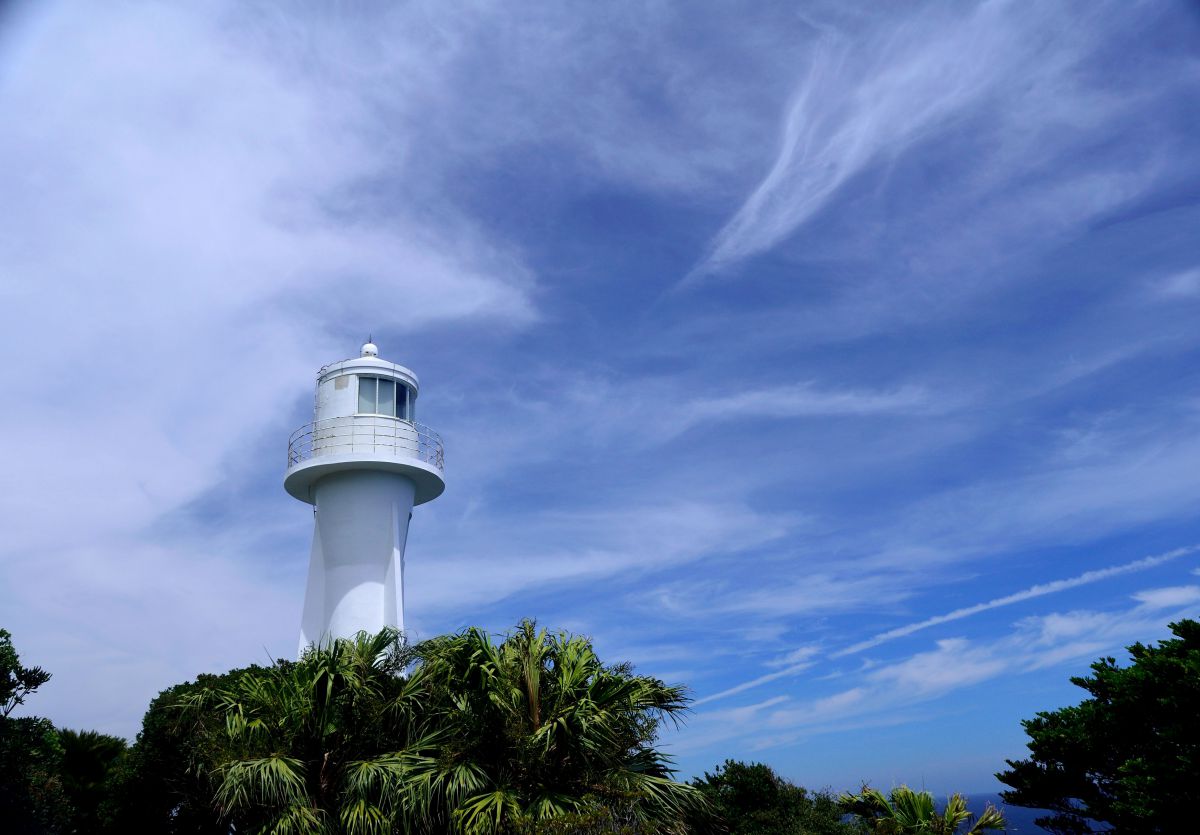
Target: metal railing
(370, 434)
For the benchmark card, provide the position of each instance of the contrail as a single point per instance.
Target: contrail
(1039, 590)
(746, 685)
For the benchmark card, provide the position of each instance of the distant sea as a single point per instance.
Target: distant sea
(1019, 818)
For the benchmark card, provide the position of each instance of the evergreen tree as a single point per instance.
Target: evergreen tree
(163, 784)
(751, 799)
(31, 793)
(1128, 756)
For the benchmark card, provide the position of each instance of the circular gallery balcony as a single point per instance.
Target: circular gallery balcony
(365, 442)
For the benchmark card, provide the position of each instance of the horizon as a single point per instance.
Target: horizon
(838, 363)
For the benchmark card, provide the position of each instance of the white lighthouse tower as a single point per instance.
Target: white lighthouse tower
(362, 463)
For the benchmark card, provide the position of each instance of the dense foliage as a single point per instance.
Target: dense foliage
(31, 793)
(1128, 757)
(313, 746)
(907, 812)
(88, 761)
(751, 799)
(533, 735)
(536, 727)
(461, 733)
(159, 786)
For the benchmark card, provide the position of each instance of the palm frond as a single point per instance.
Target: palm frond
(298, 819)
(992, 818)
(272, 782)
(488, 812)
(360, 817)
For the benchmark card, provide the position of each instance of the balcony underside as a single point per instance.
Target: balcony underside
(301, 477)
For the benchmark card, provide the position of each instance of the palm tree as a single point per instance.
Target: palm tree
(908, 812)
(89, 759)
(319, 746)
(537, 728)
(457, 734)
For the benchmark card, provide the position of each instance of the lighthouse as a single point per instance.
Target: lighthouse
(363, 464)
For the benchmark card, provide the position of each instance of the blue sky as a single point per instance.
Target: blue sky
(841, 362)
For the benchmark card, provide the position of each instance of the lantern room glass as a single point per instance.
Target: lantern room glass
(377, 396)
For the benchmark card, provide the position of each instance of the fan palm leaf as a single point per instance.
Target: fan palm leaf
(909, 812)
(547, 725)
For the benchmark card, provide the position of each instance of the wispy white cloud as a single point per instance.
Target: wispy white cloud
(569, 413)
(979, 75)
(805, 592)
(537, 551)
(795, 669)
(796, 656)
(1050, 627)
(805, 400)
(1134, 469)
(953, 664)
(793, 663)
(891, 559)
(1039, 590)
(1181, 285)
(1170, 597)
